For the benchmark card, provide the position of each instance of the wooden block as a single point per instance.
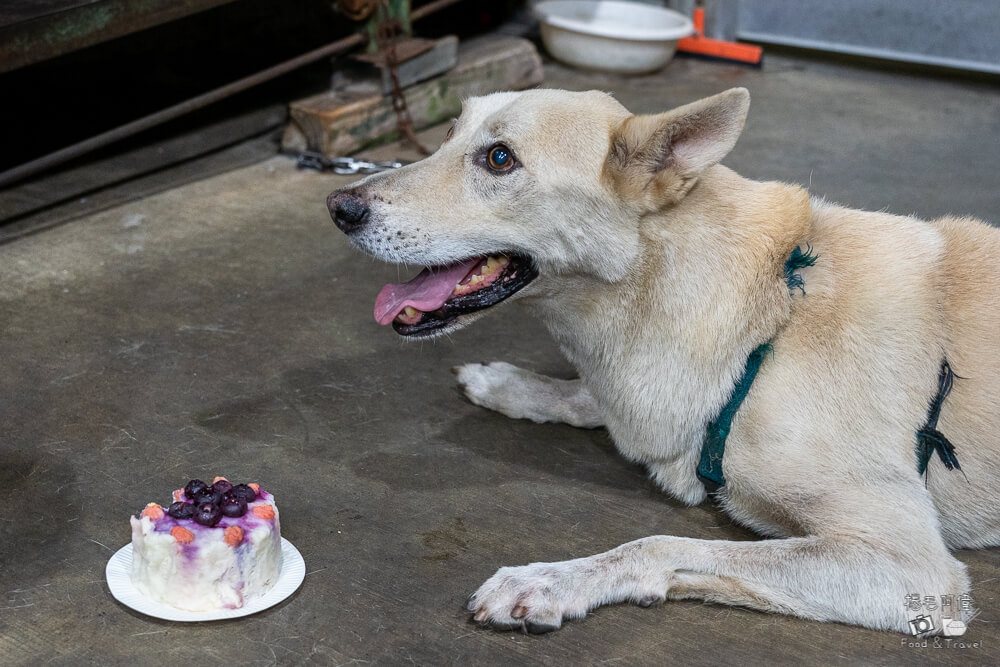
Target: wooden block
(341, 122)
(365, 72)
(406, 48)
(437, 60)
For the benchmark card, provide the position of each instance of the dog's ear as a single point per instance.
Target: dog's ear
(654, 160)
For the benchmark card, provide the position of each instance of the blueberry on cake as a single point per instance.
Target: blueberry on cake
(216, 547)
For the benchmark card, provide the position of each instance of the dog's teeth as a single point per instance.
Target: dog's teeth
(410, 311)
(476, 280)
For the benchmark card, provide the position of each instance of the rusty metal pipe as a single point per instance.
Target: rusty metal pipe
(50, 160)
(430, 8)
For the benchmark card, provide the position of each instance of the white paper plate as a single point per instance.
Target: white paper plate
(118, 572)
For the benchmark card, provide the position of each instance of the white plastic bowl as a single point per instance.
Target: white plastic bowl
(623, 37)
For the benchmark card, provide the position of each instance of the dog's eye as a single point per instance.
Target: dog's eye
(500, 158)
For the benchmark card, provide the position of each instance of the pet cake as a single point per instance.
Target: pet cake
(216, 547)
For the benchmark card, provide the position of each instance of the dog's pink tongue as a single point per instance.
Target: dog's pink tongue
(427, 292)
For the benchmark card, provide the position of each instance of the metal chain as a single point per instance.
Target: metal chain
(385, 36)
(344, 165)
(386, 33)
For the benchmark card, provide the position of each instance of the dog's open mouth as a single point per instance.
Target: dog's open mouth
(440, 294)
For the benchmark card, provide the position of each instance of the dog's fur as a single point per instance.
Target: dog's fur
(660, 271)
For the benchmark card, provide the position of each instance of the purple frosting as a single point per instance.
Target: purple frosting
(247, 522)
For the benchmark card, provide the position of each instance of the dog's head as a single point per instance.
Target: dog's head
(528, 185)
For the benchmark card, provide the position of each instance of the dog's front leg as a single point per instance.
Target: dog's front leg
(521, 394)
(827, 579)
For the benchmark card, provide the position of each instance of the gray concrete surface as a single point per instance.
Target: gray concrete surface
(225, 327)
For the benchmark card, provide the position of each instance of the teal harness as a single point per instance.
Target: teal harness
(713, 447)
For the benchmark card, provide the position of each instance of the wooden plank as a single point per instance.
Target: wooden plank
(54, 32)
(19, 11)
(342, 122)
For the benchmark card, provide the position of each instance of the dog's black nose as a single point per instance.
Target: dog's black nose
(347, 210)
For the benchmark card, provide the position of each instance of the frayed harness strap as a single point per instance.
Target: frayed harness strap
(798, 260)
(929, 439)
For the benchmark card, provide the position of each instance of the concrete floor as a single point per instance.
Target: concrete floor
(225, 327)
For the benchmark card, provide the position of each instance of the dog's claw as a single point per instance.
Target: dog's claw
(508, 627)
(471, 605)
(650, 601)
(540, 628)
(480, 616)
(520, 611)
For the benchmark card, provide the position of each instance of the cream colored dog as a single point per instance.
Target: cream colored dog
(660, 273)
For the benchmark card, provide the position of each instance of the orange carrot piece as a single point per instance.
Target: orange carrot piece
(233, 536)
(182, 535)
(263, 511)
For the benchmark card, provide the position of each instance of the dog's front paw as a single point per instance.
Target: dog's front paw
(496, 386)
(534, 597)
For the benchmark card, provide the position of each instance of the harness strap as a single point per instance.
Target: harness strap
(929, 439)
(713, 447)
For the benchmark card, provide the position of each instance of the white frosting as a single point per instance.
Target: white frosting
(207, 573)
